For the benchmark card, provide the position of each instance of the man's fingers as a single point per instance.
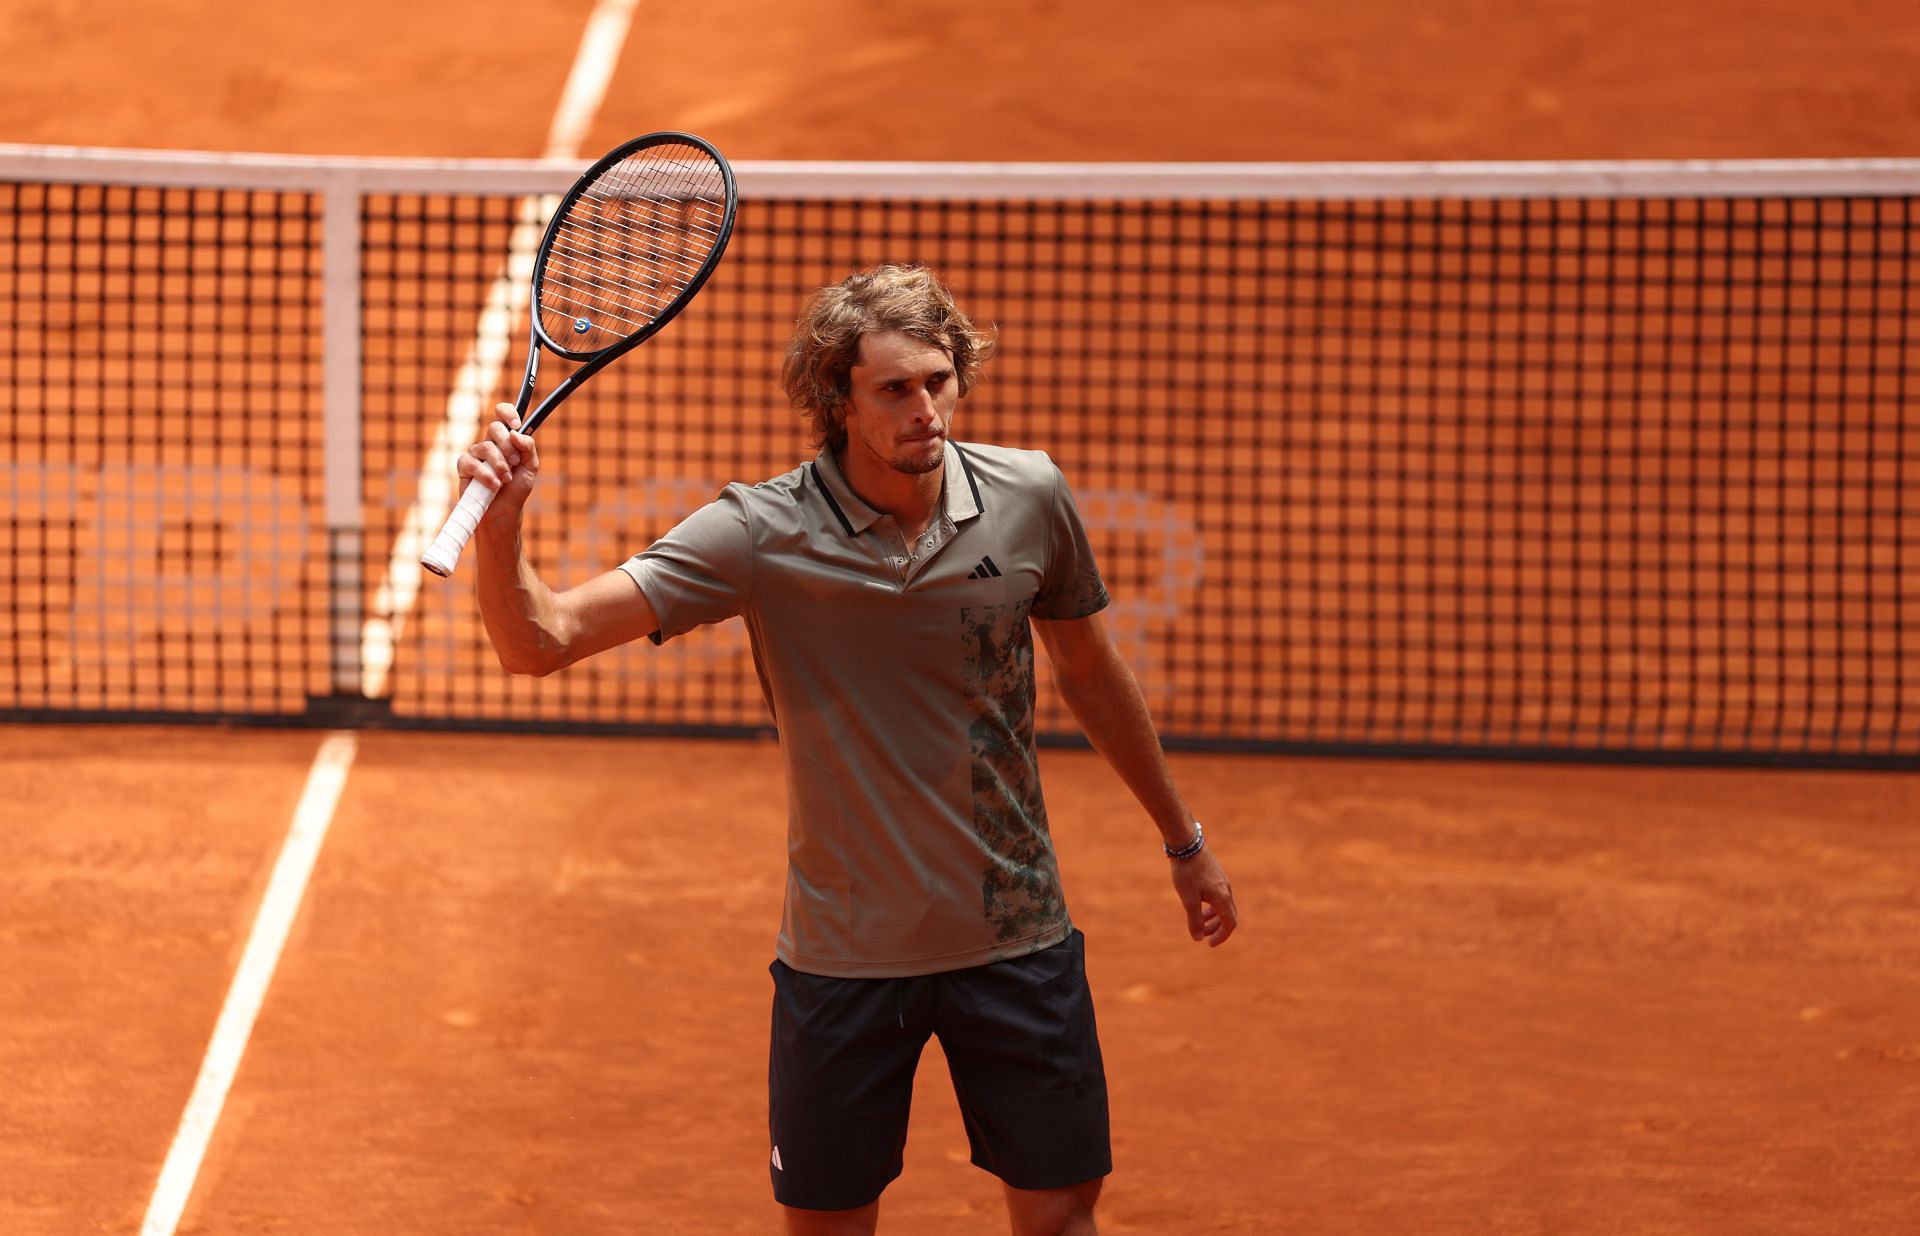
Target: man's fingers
(1229, 917)
(489, 466)
(503, 449)
(1197, 916)
(1207, 899)
(1222, 927)
(1211, 916)
(494, 460)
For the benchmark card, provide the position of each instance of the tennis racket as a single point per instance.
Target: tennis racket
(628, 247)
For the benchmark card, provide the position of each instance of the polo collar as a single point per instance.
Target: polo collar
(960, 493)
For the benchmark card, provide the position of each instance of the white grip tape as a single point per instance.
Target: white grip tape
(445, 550)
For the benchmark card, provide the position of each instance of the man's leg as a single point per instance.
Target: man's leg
(1053, 1212)
(1024, 1054)
(839, 1084)
(859, 1222)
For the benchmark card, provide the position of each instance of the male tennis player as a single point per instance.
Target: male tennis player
(890, 588)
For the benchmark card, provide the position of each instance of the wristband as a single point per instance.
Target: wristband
(1193, 847)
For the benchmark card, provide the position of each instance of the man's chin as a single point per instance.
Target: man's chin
(927, 459)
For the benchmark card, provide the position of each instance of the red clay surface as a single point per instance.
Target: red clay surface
(1467, 998)
(530, 996)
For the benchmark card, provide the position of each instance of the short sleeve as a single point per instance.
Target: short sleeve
(1071, 586)
(701, 572)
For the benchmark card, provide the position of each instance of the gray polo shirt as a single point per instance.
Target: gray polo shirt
(901, 680)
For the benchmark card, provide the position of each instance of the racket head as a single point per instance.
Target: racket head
(630, 243)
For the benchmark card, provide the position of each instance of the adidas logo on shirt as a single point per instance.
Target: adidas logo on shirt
(986, 570)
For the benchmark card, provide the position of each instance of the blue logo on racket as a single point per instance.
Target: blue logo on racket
(581, 326)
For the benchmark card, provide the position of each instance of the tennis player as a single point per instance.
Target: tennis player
(891, 587)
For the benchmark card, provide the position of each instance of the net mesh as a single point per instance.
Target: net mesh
(1622, 475)
(162, 355)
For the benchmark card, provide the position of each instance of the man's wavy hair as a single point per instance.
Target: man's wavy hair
(826, 340)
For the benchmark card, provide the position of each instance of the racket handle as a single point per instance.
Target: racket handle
(465, 517)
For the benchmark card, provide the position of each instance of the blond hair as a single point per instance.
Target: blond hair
(826, 339)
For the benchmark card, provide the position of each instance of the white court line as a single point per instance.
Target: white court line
(311, 819)
(586, 86)
(476, 378)
(486, 356)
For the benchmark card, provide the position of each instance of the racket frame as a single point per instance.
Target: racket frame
(444, 552)
(594, 360)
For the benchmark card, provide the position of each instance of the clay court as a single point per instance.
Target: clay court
(526, 988)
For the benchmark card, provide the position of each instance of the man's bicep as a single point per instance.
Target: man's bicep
(605, 612)
(1075, 646)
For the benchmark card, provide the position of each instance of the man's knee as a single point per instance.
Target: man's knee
(1054, 1212)
(859, 1222)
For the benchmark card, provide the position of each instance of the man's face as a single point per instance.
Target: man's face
(901, 397)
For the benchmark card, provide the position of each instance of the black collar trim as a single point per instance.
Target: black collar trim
(966, 466)
(826, 493)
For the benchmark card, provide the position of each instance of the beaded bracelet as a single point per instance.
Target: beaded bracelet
(1193, 847)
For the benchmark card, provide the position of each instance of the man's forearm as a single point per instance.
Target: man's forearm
(516, 606)
(1106, 700)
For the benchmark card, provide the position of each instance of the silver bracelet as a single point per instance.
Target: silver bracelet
(1193, 847)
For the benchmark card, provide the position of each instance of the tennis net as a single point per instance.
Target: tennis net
(1605, 460)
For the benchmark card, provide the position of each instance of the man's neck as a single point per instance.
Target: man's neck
(911, 499)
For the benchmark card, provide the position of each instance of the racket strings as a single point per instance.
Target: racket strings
(631, 244)
(628, 292)
(631, 274)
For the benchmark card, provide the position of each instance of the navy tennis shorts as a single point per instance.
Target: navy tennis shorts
(1021, 1048)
